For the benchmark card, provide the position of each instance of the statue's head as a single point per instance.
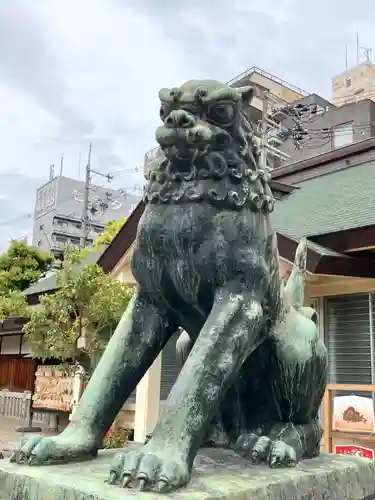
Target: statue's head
(200, 117)
(209, 149)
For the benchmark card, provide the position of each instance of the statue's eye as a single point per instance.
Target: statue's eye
(222, 114)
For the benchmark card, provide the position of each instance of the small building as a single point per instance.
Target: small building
(56, 223)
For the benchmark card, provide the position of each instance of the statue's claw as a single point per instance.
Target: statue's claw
(282, 455)
(112, 478)
(142, 482)
(260, 450)
(146, 469)
(126, 478)
(162, 486)
(40, 450)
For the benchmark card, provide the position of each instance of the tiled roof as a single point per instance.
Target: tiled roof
(339, 201)
(48, 284)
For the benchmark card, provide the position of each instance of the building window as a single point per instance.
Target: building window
(60, 239)
(60, 222)
(75, 242)
(350, 340)
(342, 135)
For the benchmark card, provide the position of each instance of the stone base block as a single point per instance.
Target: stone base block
(218, 474)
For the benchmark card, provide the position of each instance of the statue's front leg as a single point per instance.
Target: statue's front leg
(232, 331)
(137, 341)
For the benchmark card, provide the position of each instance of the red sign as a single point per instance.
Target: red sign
(356, 451)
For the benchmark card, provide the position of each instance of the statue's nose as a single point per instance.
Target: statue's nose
(179, 119)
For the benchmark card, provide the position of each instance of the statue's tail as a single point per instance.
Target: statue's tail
(294, 291)
(183, 347)
(273, 296)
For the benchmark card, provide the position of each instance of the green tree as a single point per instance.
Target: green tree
(13, 303)
(75, 322)
(112, 228)
(21, 265)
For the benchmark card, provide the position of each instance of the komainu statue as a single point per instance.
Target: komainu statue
(206, 261)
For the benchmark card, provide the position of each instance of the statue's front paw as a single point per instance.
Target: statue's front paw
(40, 450)
(159, 468)
(276, 453)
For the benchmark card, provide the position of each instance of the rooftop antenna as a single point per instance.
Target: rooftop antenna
(367, 53)
(51, 171)
(61, 165)
(357, 47)
(346, 58)
(79, 164)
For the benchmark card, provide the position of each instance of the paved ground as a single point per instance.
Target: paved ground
(9, 437)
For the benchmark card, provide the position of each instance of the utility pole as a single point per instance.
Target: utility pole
(86, 198)
(86, 194)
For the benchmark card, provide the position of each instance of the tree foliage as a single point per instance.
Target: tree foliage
(21, 265)
(13, 303)
(75, 322)
(112, 228)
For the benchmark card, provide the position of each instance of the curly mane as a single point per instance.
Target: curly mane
(230, 178)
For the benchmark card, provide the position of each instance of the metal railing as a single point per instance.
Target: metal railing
(274, 78)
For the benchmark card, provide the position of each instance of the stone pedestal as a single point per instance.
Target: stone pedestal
(218, 474)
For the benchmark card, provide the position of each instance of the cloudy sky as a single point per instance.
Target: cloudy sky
(74, 71)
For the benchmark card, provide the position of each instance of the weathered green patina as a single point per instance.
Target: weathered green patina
(206, 260)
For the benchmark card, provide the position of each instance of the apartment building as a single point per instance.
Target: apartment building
(59, 209)
(354, 84)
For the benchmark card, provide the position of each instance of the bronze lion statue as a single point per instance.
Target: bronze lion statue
(206, 261)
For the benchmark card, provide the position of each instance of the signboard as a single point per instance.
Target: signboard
(53, 390)
(356, 451)
(353, 414)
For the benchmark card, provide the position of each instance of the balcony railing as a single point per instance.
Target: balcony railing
(274, 78)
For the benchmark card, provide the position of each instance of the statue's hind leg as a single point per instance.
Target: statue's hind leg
(297, 377)
(137, 341)
(290, 429)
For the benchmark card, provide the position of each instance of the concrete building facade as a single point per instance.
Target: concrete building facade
(59, 210)
(354, 84)
(330, 128)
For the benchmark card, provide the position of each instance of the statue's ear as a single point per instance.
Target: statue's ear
(164, 94)
(247, 93)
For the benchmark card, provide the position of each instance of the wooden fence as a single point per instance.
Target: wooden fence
(17, 373)
(17, 405)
